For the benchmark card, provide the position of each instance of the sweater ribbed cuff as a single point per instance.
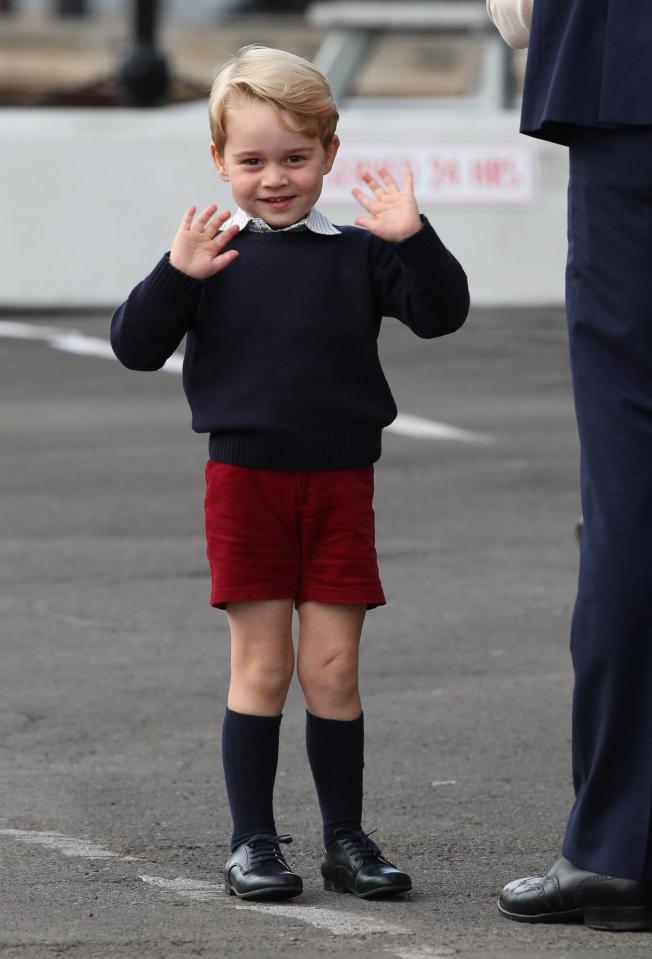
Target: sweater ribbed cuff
(167, 282)
(421, 247)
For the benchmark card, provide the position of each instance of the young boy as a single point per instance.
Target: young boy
(281, 311)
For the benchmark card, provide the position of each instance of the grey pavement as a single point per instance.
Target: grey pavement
(114, 668)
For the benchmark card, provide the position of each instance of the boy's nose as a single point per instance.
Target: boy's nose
(274, 176)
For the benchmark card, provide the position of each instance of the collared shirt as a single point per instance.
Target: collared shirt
(314, 221)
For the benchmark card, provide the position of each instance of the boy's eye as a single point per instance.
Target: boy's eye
(295, 158)
(251, 161)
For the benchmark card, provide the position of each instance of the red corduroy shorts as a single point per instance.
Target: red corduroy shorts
(280, 534)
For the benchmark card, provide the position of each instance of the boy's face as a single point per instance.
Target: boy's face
(275, 172)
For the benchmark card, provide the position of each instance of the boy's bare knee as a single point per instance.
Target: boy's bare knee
(265, 675)
(331, 680)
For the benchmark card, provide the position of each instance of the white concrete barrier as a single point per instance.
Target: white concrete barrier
(91, 198)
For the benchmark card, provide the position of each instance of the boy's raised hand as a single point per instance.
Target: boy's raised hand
(197, 247)
(394, 214)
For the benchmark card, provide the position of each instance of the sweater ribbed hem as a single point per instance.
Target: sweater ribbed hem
(297, 451)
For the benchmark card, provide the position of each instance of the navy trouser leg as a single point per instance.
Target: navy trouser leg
(609, 304)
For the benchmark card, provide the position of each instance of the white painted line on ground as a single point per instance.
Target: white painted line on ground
(70, 341)
(420, 428)
(444, 782)
(73, 341)
(66, 844)
(188, 888)
(338, 923)
(424, 952)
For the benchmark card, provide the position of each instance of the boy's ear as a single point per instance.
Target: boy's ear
(219, 164)
(331, 153)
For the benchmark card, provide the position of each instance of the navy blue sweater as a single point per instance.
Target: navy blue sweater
(281, 364)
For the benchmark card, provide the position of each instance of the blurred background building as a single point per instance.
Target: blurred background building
(51, 46)
(427, 83)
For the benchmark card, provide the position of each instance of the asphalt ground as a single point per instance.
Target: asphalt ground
(114, 667)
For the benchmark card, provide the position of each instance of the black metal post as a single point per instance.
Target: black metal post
(71, 8)
(145, 21)
(144, 75)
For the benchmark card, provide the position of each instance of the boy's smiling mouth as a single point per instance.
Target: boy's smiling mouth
(276, 200)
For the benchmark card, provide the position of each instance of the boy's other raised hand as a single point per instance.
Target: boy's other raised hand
(394, 214)
(197, 247)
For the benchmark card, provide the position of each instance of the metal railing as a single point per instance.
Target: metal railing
(63, 8)
(354, 26)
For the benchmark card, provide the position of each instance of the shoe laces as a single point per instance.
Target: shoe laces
(358, 844)
(264, 847)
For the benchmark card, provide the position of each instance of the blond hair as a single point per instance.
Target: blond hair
(287, 82)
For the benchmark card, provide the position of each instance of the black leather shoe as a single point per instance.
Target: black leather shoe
(569, 894)
(353, 863)
(256, 869)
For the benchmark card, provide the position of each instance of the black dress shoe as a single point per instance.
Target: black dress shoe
(256, 869)
(353, 863)
(569, 894)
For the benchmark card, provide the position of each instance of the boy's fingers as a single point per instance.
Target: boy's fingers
(367, 222)
(186, 222)
(221, 239)
(366, 201)
(222, 217)
(373, 185)
(388, 180)
(223, 260)
(204, 217)
(216, 224)
(408, 182)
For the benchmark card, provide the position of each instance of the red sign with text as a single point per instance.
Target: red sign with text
(466, 173)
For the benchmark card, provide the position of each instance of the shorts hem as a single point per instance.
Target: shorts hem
(219, 598)
(371, 600)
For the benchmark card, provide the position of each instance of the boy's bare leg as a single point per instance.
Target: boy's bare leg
(329, 643)
(262, 664)
(262, 655)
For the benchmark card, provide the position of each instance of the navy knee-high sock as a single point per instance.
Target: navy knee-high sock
(336, 754)
(250, 756)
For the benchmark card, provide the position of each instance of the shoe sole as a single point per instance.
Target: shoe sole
(384, 892)
(603, 918)
(271, 893)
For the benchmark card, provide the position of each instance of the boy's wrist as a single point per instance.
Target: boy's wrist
(166, 280)
(177, 267)
(417, 229)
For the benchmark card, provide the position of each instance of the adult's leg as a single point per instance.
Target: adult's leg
(609, 303)
(262, 664)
